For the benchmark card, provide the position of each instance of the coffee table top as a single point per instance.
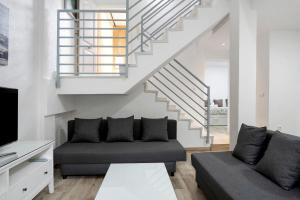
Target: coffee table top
(147, 181)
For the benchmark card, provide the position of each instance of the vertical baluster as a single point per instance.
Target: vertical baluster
(127, 38)
(58, 51)
(208, 115)
(142, 34)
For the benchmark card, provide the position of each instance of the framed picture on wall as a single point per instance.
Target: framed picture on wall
(4, 27)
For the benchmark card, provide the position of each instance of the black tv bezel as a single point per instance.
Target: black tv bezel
(15, 91)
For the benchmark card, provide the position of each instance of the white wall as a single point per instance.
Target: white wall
(21, 71)
(141, 104)
(284, 86)
(217, 77)
(242, 67)
(32, 62)
(53, 109)
(137, 103)
(193, 58)
(272, 15)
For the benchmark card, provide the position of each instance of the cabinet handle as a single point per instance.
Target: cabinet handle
(45, 172)
(24, 189)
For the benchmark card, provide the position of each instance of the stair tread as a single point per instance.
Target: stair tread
(162, 99)
(160, 41)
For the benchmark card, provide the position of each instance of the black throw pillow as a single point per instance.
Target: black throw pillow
(250, 144)
(281, 162)
(155, 129)
(120, 130)
(86, 130)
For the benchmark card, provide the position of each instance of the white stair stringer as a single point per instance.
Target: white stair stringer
(194, 131)
(149, 62)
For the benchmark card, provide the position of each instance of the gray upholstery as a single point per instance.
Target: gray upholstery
(120, 129)
(281, 162)
(95, 158)
(137, 129)
(155, 129)
(119, 152)
(250, 143)
(223, 177)
(86, 130)
(97, 169)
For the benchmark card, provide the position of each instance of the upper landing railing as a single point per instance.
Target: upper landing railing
(102, 43)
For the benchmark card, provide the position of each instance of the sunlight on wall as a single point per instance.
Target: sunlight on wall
(109, 64)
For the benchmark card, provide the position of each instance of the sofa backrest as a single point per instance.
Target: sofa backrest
(267, 141)
(137, 129)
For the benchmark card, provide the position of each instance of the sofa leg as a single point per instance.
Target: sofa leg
(64, 177)
(172, 173)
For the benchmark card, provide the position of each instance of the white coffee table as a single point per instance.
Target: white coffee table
(149, 181)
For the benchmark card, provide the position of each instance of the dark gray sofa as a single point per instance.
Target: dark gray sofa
(223, 177)
(95, 158)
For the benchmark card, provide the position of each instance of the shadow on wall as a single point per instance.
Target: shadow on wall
(92, 106)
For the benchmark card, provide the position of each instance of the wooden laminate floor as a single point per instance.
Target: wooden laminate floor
(85, 188)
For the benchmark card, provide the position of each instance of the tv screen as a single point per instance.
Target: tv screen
(8, 116)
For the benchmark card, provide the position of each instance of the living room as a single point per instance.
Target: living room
(152, 105)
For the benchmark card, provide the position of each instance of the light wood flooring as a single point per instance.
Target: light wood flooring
(220, 133)
(85, 188)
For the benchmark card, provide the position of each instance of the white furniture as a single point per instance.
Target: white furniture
(149, 181)
(219, 116)
(29, 173)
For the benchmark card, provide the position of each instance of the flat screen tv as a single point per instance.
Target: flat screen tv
(8, 115)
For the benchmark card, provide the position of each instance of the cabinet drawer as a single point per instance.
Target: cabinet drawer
(31, 180)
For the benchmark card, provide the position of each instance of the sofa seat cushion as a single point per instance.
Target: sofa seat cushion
(119, 152)
(230, 178)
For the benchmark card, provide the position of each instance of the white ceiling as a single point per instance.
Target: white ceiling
(278, 14)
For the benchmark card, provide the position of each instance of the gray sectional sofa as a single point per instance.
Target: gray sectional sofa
(221, 176)
(95, 158)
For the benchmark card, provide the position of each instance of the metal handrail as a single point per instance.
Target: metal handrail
(156, 21)
(180, 81)
(172, 87)
(169, 21)
(140, 11)
(158, 88)
(127, 36)
(183, 92)
(183, 67)
(188, 79)
(135, 4)
(83, 44)
(79, 50)
(153, 13)
(180, 13)
(85, 11)
(195, 110)
(147, 16)
(171, 26)
(86, 41)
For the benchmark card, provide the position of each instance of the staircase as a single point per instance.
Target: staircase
(153, 34)
(183, 94)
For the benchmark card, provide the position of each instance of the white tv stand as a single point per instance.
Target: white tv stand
(24, 177)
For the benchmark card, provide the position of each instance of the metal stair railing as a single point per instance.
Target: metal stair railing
(167, 21)
(178, 84)
(88, 46)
